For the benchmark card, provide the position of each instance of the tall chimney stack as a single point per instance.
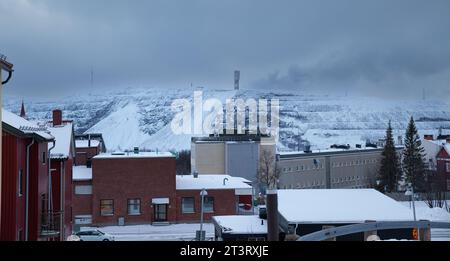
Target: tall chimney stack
(57, 117)
(237, 77)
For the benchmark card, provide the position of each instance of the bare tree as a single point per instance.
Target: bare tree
(269, 172)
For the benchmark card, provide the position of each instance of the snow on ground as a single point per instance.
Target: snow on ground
(432, 214)
(424, 212)
(173, 232)
(123, 127)
(141, 117)
(186, 232)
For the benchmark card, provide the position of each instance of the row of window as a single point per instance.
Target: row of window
(353, 163)
(303, 168)
(107, 207)
(334, 165)
(348, 178)
(447, 166)
(134, 206)
(319, 186)
(321, 183)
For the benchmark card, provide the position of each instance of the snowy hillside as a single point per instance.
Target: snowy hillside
(140, 117)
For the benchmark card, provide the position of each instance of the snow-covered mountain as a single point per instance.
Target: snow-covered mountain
(142, 117)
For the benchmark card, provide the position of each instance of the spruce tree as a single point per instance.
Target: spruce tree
(389, 173)
(413, 159)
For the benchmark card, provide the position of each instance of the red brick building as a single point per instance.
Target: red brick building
(135, 188)
(61, 160)
(226, 195)
(86, 150)
(24, 180)
(143, 188)
(443, 164)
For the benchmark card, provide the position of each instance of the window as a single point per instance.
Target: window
(83, 190)
(106, 207)
(134, 206)
(187, 205)
(447, 166)
(44, 157)
(20, 183)
(448, 184)
(208, 205)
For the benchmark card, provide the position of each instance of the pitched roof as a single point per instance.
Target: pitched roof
(447, 148)
(64, 145)
(23, 127)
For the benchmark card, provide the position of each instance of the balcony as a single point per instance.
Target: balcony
(50, 224)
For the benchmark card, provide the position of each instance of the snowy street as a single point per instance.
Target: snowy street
(175, 232)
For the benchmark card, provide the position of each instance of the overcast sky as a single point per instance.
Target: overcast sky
(370, 47)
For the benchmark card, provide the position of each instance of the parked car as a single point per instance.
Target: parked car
(94, 235)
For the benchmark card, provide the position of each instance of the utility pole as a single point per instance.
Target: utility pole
(92, 79)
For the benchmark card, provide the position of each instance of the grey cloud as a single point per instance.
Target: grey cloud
(275, 44)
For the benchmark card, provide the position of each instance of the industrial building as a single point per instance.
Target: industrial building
(331, 168)
(233, 154)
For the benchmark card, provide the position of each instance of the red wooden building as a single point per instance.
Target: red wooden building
(443, 164)
(24, 179)
(61, 161)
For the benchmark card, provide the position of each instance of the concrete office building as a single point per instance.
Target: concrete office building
(332, 168)
(234, 155)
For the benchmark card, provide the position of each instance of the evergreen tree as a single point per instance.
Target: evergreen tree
(389, 173)
(413, 159)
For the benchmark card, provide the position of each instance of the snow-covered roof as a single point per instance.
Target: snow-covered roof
(80, 173)
(85, 143)
(24, 126)
(339, 206)
(131, 154)
(241, 224)
(188, 182)
(447, 148)
(288, 154)
(63, 141)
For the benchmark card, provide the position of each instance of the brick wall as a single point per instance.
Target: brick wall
(126, 178)
(83, 154)
(81, 204)
(224, 204)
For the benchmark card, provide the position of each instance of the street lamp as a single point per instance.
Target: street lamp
(201, 233)
(410, 192)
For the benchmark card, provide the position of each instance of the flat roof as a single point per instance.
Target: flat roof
(241, 224)
(85, 143)
(211, 181)
(326, 152)
(80, 173)
(239, 137)
(322, 206)
(132, 155)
